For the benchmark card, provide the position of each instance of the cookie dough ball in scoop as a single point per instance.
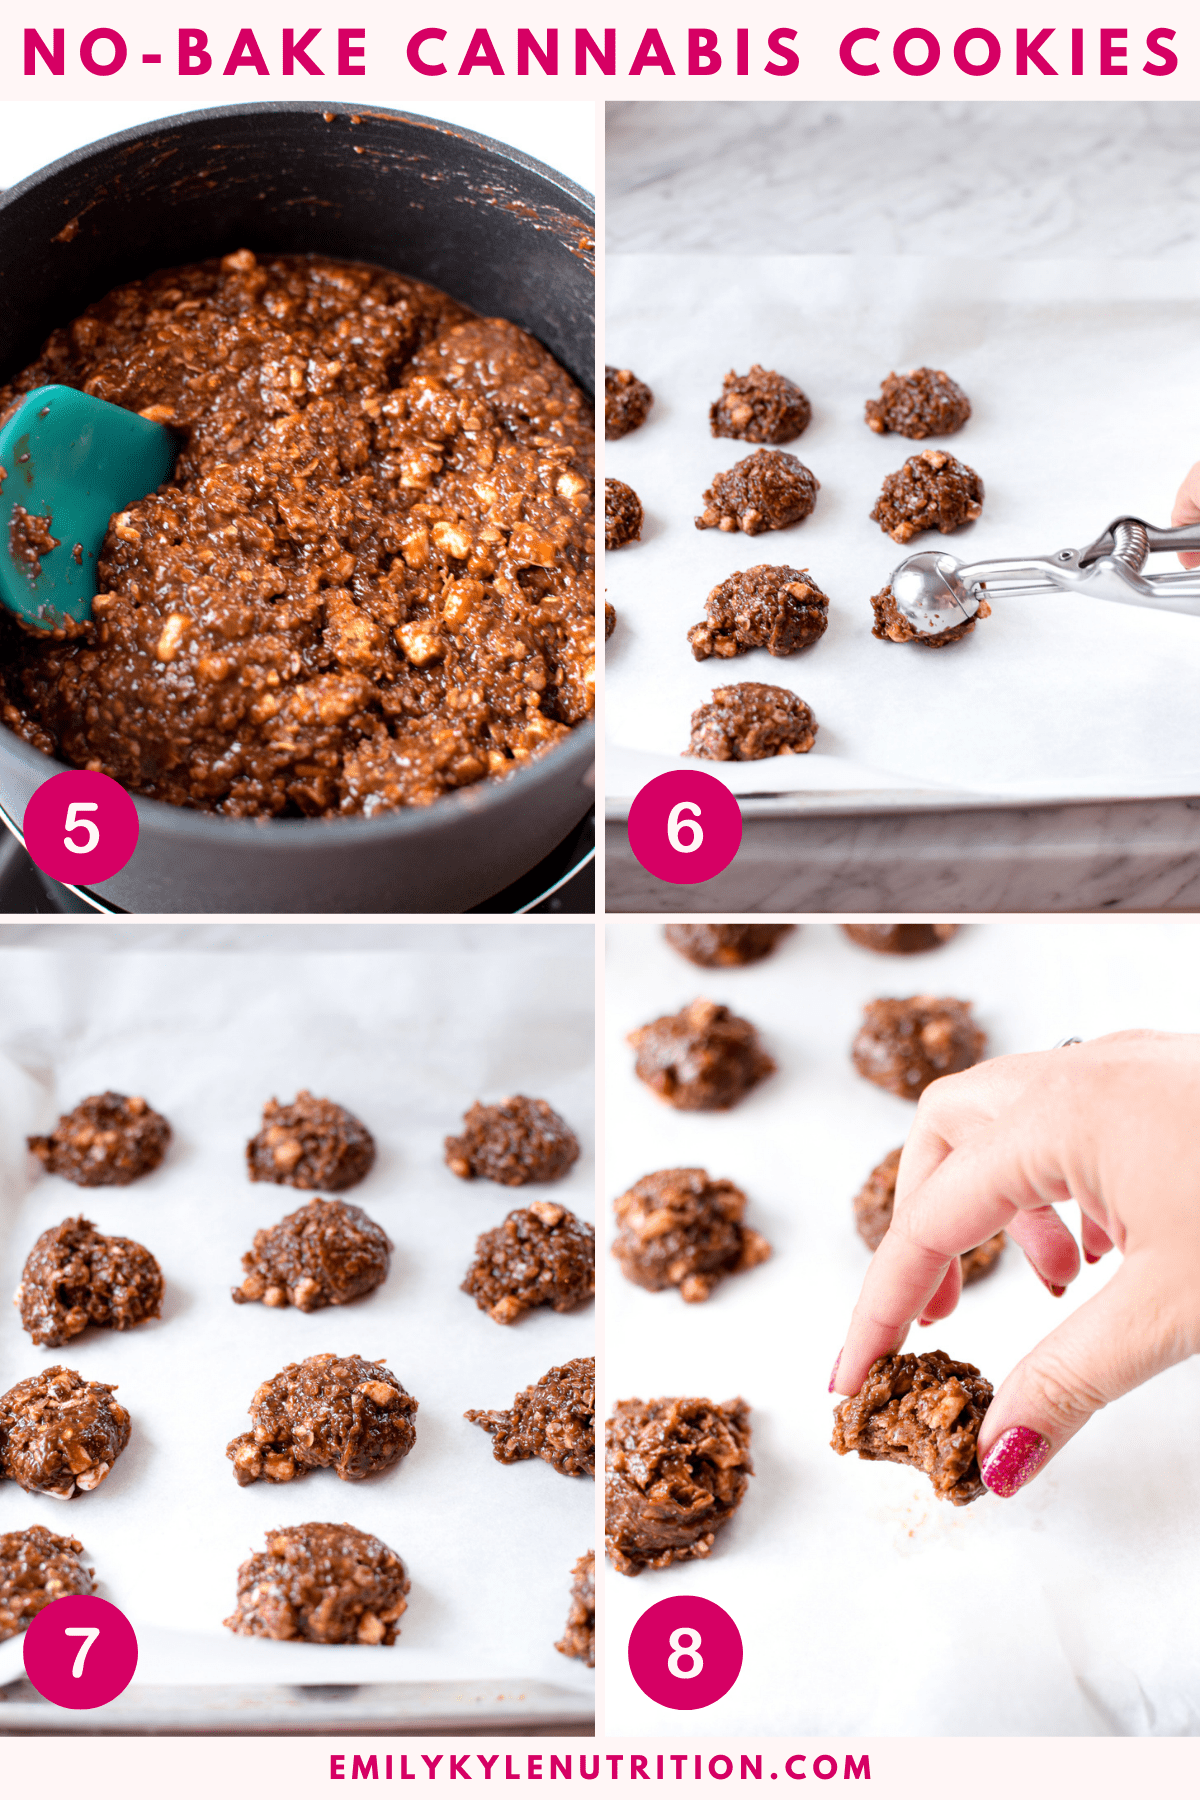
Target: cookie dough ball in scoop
(892, 627)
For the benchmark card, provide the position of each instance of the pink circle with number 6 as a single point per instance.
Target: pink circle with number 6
(685, 1652)
(80, 827)
(80, 1651)
(685, 826)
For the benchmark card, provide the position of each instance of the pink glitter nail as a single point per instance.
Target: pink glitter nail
(833, 1374)
(1016, 1455)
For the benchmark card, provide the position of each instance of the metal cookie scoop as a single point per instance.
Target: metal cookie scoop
(935, 591)
(70, 462)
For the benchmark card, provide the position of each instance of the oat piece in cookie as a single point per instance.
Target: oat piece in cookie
(680, 1228)
(623, 516)
(36, 1567)
(75, 1276)
(321, 1584)
(891, 626)
(610, 619)
(924, 403)
(554, 1419)
(626, 402)
(542, 1255)
(900, 940)
(761, 408)
(903, 1045)
(109, 1140)
(724, 946)
(932, 492)
(325, 1253)
(579, 1639)
(516, 1141)
(59, 1434)
(873, 1206)
(703, 1059)
(675, 1472)
(763, 492)
(768, 607)
(923, 1411)
(310, 1143)
(327, 1412)
(747, 721)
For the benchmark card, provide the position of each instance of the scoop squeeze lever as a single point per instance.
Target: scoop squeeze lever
(69, 463)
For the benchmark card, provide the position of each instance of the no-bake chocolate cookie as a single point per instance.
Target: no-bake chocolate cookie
(327, 1412)
(610, 619)
(623, 516)
(554, 1419)
(923, 1411)
(891, 625)
(873, 1206)
(903, 1045)
(626, 402)
(761, 408)
(311, 1143)
(675, 1472)
(775, 608)
(724, 946)
(679, 1228)
(932, 492)
(75, 1276)
(749, 720)
(323, 1254)
(763, 492)
(36, 1567)
(60, 1434)
(109, 1140)
(924, 403)
(516, 1141)
(323, 1584)
(579, 1639)
(703, 1059)
(542, 1255)
(900, 940)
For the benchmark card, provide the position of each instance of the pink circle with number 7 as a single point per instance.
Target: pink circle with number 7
(80, 827)
(685, 1652)
(685, 826)
(80, 1651)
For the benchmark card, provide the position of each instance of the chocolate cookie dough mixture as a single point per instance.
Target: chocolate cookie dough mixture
(932, 492)
(892, 626)
(903, 1045)
(321, 1584)
(749, 720)
(924, 403)
(327, 1412)
(675, 1472)
(900, 940)
(679, 1228)
(75, 1276)
(108, 1141)
(324, 1254)
(703, 1059)
(761, 407)
(542, 1255)
(763, 492)
(579, 1639)
(779, 609)
(554, 1419)
(626, 402)
(36, 1567)
(60, 1434)
(873, 1206)
(724, 946)
(623, 514)
(923, 1411)
(370, 578)
(514, 1142)
(310, 1144)
(29, 539)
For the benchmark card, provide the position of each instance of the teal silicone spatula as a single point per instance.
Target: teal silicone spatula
(70, 462)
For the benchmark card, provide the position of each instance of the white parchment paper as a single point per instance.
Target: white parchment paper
(866, 1606)
(407, 1040)
(1083, 380)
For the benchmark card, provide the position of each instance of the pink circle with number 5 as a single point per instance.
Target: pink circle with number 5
(80, 1651)
(80, 827)
(685, 1652)
(685, 826)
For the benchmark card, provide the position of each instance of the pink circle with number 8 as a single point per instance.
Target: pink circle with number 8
(685, 1652)
(685, 826)
(80, 1651)
(80, 827)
